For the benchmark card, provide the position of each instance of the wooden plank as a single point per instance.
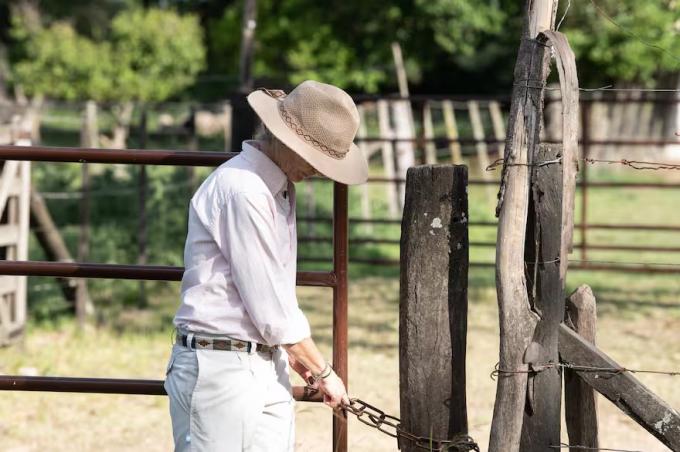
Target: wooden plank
(5, 324)
(403, 123)
(8, 284)
(226, 125)
(622, 389)
(51, 241)
(580, 403)
(498, 125)
(366, 210)
(481, 147)
(7, 180)
(541, 426)
(15, 188)
(428, 132)
(9, 234)
(516, 319)
(452, 132)
(387, 134)
(433, 303)
(22, 246)
(405, 149)
(566, 67)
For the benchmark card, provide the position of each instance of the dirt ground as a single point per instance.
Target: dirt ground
(637, 337)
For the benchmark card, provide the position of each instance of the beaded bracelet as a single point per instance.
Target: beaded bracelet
(325, 373)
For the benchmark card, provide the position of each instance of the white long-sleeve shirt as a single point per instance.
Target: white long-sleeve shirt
(240, 254)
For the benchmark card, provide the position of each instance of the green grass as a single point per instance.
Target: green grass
(134, 343)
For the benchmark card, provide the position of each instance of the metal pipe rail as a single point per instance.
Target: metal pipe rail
(99, 155)
(336, 279)
(111, 386)
(136, 272)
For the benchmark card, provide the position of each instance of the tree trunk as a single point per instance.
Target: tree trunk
(142, 233)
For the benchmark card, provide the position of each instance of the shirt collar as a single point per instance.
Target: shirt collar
(271, 174)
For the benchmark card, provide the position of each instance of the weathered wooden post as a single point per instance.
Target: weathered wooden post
(528, 385)
(433, 302)
(541, 425)
(517, 320)
(580, 404)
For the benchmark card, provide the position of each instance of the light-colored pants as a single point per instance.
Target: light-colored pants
(230, 401)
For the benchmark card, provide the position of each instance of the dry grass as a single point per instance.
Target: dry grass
(57, 422)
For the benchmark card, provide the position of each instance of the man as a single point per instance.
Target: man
(239, 327)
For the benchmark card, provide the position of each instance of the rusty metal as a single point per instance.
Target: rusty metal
(429, 97)
(111, 386)
(340, 304)
(652, 185)
(634, 227)
(132, 156)
(577, 265)
(336, 279)
(643, 227)
(473, 141)
(391, 426)
(138, 272)
(663, 185)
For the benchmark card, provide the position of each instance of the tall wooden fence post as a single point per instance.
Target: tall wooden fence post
(433, 302)
(541, 426)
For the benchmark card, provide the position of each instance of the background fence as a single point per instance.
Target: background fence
(463, 129)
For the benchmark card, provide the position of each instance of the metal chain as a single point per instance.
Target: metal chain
(391, 426)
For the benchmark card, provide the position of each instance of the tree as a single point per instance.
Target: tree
(624, 40)
(348, 43)
(148, 56)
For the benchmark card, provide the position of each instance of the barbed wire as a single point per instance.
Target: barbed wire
(662, 264)
(391, 426)
(540, 367)
(635, 164)
(575, 446)
(541, 84)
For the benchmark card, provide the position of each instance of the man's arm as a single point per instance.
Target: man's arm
(307, 353)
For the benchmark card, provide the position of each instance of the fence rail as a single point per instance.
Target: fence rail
(336, 279)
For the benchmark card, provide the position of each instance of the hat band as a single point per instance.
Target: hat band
(292, 123)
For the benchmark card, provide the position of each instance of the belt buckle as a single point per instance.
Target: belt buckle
(252, 348)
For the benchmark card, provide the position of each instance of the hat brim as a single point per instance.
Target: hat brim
(350, 170)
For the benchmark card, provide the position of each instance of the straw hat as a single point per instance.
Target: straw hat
(318, 122)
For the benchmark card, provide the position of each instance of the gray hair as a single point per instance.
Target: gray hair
(263, 134)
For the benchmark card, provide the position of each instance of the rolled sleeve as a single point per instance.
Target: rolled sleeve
(250, 243)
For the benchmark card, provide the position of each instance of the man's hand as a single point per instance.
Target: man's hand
(334, 392)
(301, 371)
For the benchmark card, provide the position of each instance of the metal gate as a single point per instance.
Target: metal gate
(335, 279)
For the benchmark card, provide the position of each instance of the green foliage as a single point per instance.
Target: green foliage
(156, 53)
(348, 44)
(149, 55)
(62, 64)
(609, 53)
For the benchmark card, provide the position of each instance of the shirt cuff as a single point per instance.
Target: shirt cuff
(294, 330)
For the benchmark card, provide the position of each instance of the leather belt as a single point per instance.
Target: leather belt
(227, 344)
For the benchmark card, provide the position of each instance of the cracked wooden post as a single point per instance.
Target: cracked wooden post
(433, 302)
(541, 425)
(516, 319)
